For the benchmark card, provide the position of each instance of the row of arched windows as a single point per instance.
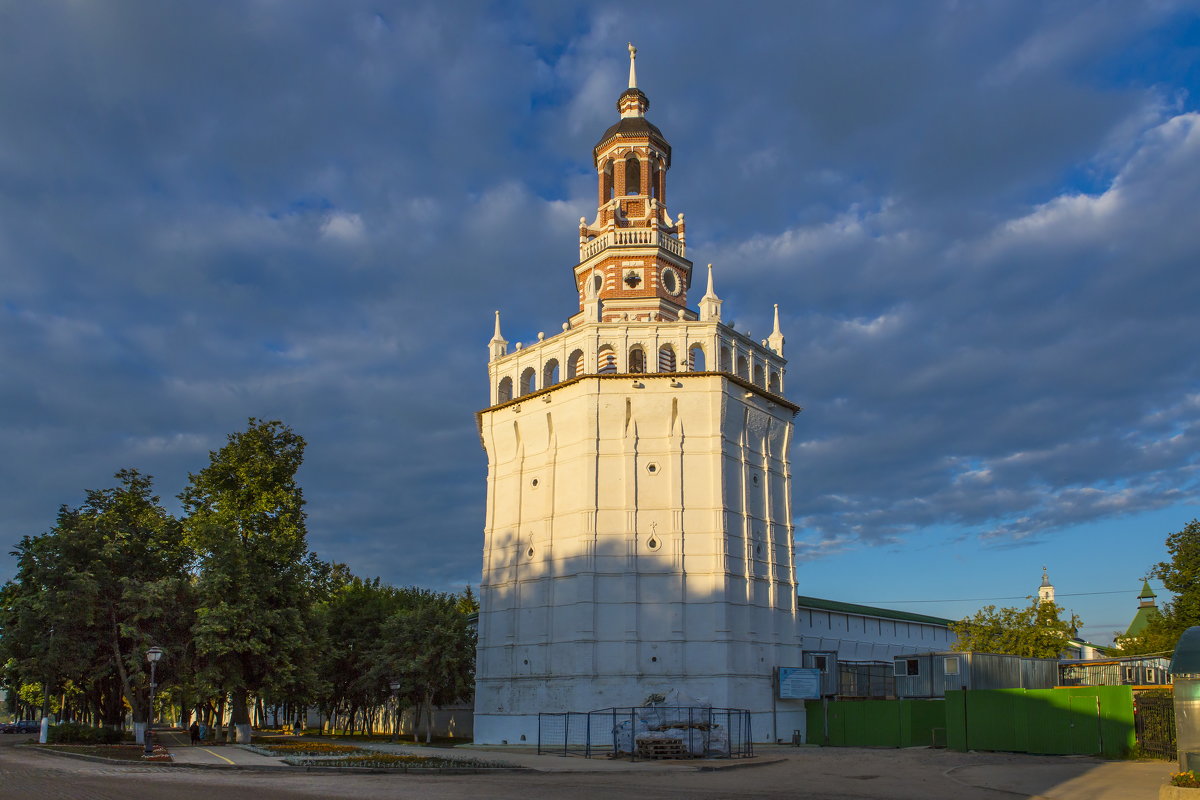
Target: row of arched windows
(635, 363)
(632, 166)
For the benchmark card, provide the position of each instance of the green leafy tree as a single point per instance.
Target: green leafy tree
(1037, 631)
(430, 650)
(245, 520)
(93, 594)
(1180, 575)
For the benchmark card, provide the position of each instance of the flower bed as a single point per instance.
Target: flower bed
(118, 752)
(367, 759)
(1185, 779)
(303, 749)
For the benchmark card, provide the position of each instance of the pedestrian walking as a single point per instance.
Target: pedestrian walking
(194, 732)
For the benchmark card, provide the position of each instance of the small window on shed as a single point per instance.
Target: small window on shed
(907, 667)
(950, 665)
(821, 663)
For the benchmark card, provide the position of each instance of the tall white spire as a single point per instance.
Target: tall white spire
(498, 346)
(632, 66)
(775, 340)
(710, 304)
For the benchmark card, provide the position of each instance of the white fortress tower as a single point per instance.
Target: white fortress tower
(638, 534)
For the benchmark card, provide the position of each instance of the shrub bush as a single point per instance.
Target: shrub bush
(73, 733)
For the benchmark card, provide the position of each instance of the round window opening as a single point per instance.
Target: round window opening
(654, 658)
(534, 483)
(652, 468)
(654, 543)
(758, 549)
(529, 552)
(670, 283)
(752, 477)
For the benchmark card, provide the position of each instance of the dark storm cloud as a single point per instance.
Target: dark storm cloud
(980, 224)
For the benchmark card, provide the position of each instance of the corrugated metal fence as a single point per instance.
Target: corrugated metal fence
(1085, 721)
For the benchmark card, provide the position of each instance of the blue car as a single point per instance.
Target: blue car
(21, 726)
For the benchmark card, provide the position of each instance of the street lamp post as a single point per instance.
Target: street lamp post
(152, 655)
(395, 686)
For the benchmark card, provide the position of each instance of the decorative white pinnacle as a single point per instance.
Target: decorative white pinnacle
(775, 340)
(710, 304)
(498, 346)
(632, 66)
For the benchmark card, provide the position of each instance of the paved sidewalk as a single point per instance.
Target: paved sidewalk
(1068, 778)
(210, 754)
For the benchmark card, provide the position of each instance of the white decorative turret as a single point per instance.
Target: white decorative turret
(1046, 590)
(710, 304)
(775, 340)
(632, 66)
(498, 346)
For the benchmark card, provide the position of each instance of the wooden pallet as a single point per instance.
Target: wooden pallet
(661, 748)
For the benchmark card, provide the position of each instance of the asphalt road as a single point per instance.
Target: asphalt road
(824, 774)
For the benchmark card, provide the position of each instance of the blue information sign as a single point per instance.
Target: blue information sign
(799, 683)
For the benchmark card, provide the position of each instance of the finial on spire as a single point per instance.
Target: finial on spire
(498, 336)
(632, 66)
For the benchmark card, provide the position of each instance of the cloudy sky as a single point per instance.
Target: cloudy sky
(981, 222)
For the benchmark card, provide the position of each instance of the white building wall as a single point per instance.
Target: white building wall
(860, 637)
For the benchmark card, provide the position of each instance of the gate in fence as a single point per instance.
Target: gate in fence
(1154, 721)
(648, 732)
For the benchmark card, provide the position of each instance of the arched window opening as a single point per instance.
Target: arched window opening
(758, 375)
(696, 359)
(743, 368)
(633, 175)
(655, 177)
(504, 390)
(774, 385)
(550, 373)
(666, 358)
(606, 185)
(726, 360)
(528, 381)
(575, 365)
(637, 359)
(606, 360)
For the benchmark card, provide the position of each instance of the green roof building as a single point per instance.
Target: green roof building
(1147, 610)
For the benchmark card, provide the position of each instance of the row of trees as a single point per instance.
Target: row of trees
(246, 613)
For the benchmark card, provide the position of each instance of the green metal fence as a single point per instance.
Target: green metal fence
(1091, 720)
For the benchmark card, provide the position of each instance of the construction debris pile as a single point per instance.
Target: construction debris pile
(674, 725)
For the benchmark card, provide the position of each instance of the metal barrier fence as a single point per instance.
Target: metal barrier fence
(648, 732)
(1154, 720)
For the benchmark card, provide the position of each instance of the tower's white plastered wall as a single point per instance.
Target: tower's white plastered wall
(638, 539)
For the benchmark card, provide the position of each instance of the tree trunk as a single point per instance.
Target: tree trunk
(239, 717)
(429, 716)
(218, 717)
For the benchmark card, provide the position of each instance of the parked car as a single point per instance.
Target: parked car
(21, 726)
